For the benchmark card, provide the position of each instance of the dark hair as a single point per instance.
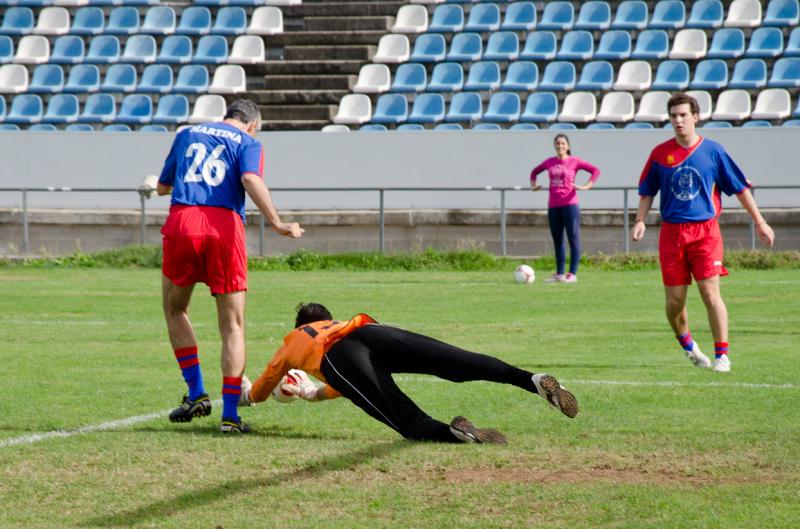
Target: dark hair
(243, 110)
(311, 312)
(682, 98)
(569, 151)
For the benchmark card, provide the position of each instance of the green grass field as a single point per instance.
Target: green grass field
(657, 444)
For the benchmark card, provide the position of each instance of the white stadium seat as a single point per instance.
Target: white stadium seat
(653, 107)
(393, 49)
(373, 79)
(773, 103)
(266, 20)
(689, 44)
(71, 3)
(411, 19)
(247, 49)
(744, 14)
(335, 128)
(732, 104)
(578, 107)
(13, 79)
(32, 49)
(703, 101)
(634, 75)
(208, 108)
(616, 107)
(52, 21)
(228, 79)
(354, 109)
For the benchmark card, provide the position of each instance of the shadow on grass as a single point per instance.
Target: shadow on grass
(266, 432)
(230, 489)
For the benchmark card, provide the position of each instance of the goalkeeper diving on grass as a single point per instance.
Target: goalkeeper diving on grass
(356, 359)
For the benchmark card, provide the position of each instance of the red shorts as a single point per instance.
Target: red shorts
(690, 249)
(205, 244)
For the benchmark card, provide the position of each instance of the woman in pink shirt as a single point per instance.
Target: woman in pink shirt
(563, 211)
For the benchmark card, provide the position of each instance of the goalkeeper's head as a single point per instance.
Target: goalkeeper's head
(311, 312)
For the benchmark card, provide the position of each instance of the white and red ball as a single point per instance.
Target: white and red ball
(524, 274)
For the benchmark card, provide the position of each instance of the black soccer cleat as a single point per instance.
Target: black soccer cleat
(466, 432)
(233, 426)
(189, 409)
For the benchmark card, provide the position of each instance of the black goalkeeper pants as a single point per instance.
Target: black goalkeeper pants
(360, 367)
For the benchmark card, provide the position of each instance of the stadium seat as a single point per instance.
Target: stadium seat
(578, 107)
(717, 125)
(79, 127)
(88, 21)
(429, 47)
(2, 109)
(25, 108)
(727, 43)
(99, 108)
(65, 3)
(335, 128)
(231, 20)
(211, 49)
(483, 75)
(785, 73)
(17, 21)
(634, 75)
(558, 75)
(596, 75)
(562, 126)
(266, 20)
(523, 126)
(62, 108)
(153, 128)
(32, 49)
(13, 79)
(8, 127)
(557, 16)
(156, 79)
(410, 127)
(756, 124)
(732, 105)
(247, 49)
(6, 49)
(521, 76)
(638, 126)
(135, 109)
(465, 106)
(42, 127)
(540, 107)
(117, 127)
(159, 20)
(373, 79)
(428, 108)
(139, 49)
(447, 18)
(410, 77)
(172, 109)
(594, 16)
(192, 79)
(175, 49)
(706, 14)
(616, 107)
(447, 77)
(373, 127)
(103, 49)
(47, 79)
(504, 107)
(689, 44)
(465, 47)
(744, 14)
(651, 44)
(209, 108)
(631, 14)
(392, 49)
(772, 103)
(765, 43)
(67, 49)
(411, 19)
(576, 45)
(354, 109)
(502, 46)
(228, 79)
(668, 14)
(792, 123)
(749, 74)
(448, 126)
(195, 20)
(703, 101)
(600, 126)
(671, 75)
(486, 126)
(83, 78)
(390, 108)
(520, 16)
(614, 45)
(539, 46)
(119, 78)
(123, 21)
(52, 21)
(782, 13)
(653, 107)
(483, 18)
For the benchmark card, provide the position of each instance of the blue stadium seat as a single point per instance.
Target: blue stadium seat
(758, 123)
(765, 42)
(103, 49)
(502, 46)
(596, 75)
(159, 20)
(792, 48)
(465, 106)
(156, 78)
(522, 76)
(558, 76)
(67, 49)
(671, 75)
(47, 79)
(792, 123)
(706, 14)
(6, 49)
(88, 20)
(192, 79)
(410, 77)
(504, 107)
(428, 108)
(600, 126)
(727, 43)
(483, 75)
(135, 109)
(230, 21)
(785, 73)
(796, 112)
(651, 44)
(153, 128)
(117, 127)
(448, 126)
(172, 109)
(782, 13)
(139, 49)
(79, 127)
(83, 78)
(99, 108)
(123, 20)
(410, 127)
(631, 14)
(717, 125)
(483, 17)
(195, 20)
(43, 127)
(486, 126)
(576, 45)
(2, 108)
(557, 16)
(373, 127)
(175, 49)
(447, 18)
(594, 15)
(710, 74)
(668, 14)
(465, 47)
(9, 127)
(429, 47)
(523, 126)
(391, 108)
(17, 21)
(562, 126)
(119, 78)
(446, 77)
(520, 16)
(636, 125)
(749, 74)
(614, 45)
(25, 108)
(211, 49)
(62, 108)
(540, 107)
(539, 46)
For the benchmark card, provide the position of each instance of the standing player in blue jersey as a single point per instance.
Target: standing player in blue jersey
(208, 171)
(691, 172)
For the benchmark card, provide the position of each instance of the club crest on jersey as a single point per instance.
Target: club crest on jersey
(685, 182)
(670, 159)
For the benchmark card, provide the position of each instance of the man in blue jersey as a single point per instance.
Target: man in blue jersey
(208, 171)
(691, 172)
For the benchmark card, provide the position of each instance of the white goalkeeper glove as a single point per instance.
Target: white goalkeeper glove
(303, 388)
(244, 398)
(148, 186)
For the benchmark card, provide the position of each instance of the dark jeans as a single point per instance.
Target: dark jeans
(566, 218)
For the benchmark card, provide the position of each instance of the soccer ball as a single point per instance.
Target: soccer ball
(524, 274)
(281, 395)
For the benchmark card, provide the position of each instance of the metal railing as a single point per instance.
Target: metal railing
(381, 192)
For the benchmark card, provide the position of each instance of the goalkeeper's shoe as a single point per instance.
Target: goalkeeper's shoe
(555, 394)
(697, 357)
(466, 432)
(233, 426)
(189, 409)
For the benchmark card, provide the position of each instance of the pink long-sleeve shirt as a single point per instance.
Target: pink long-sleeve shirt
(562, 178)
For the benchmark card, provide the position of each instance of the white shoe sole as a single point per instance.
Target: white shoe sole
(696, 357)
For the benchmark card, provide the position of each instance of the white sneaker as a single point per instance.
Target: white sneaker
(555, 278)
(570, 278)
(555, 394)
(697, 357)
(722, 364)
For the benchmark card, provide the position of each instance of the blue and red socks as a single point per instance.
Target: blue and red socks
(190, 368)
(686, 342)
(231, 391)
(720, 348)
